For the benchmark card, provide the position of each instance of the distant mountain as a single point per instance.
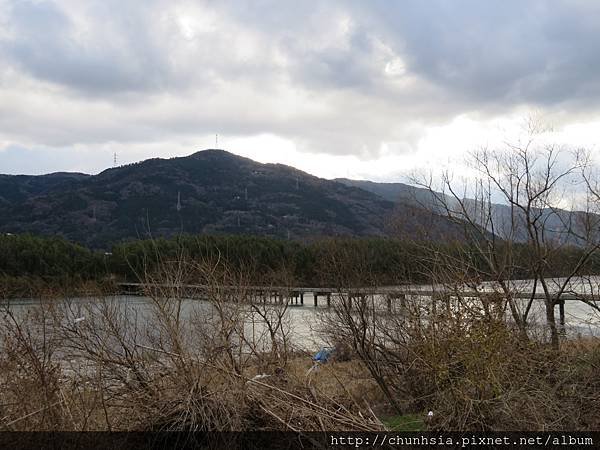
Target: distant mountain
(393, 192)
(18, 188)
(558, 223)
(206, 192)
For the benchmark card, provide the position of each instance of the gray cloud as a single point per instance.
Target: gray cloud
(112, 54)
(509, 52)
(338, 77)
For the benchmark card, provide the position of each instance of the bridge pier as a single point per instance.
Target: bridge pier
(391, 298)
(448, 302)
(360, 300)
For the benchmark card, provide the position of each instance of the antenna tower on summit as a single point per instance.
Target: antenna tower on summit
(216, 141)
(115, 159)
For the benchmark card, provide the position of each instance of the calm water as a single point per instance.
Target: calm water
(301, 321)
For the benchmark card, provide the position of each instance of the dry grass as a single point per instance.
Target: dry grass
(96, 366)
(474, 374)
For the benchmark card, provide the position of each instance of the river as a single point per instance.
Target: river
(301, 321)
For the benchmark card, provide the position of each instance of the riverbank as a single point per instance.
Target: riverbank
(32, 286)
(338, 395)
(167, 363)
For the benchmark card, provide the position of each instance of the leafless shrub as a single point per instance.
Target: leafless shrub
(187, 357)
(473, 371)
(29, 379)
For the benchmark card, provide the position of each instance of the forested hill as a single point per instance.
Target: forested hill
(216, 191)
(209, 191)
(394, 192)
(560, 225)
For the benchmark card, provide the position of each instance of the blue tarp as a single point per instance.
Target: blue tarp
(323, 355)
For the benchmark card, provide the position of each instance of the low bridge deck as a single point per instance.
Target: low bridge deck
(390, 292)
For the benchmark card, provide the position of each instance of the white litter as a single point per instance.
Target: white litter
(258, 377)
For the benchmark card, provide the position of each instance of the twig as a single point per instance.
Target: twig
(33, 413)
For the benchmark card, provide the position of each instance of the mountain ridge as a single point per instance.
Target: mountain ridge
(507, 224)
(206, 192)
(209, 191)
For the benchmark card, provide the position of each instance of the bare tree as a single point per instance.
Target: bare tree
(515, 221)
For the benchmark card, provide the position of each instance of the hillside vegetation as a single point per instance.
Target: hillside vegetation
(28, 261)
(211, 191)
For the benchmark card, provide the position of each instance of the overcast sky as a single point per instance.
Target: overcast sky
(362, 89)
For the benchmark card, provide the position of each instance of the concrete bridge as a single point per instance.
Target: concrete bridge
(295, 296)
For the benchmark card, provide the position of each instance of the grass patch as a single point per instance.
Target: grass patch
(406, 422)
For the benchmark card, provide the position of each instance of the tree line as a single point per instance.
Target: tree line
(365, 261)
